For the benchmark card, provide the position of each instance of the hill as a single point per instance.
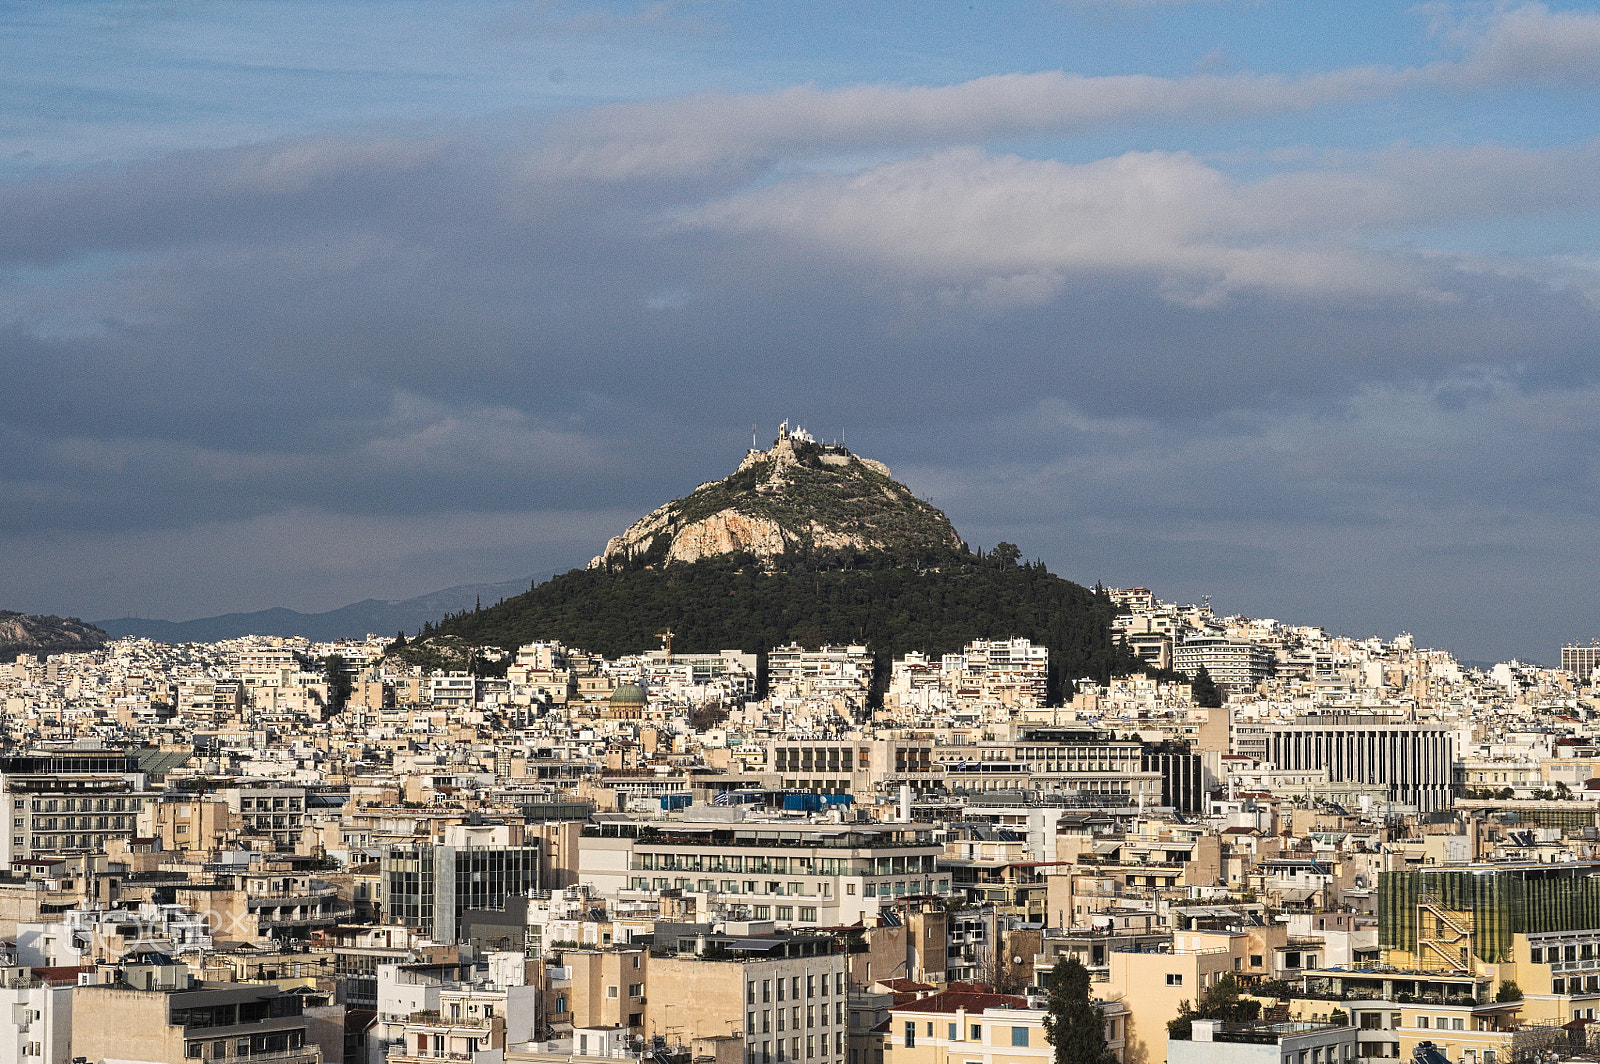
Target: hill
(806, 544)
(22, 633)
(733, 601)
(800, 503)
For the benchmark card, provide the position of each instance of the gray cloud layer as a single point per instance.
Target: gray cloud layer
(311, 371)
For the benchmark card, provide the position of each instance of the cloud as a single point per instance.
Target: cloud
(1013, 231)
(704, 134)
(1528, 44)
(1396, 508)
(338, 366)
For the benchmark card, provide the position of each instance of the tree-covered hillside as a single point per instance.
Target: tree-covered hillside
(730, 602)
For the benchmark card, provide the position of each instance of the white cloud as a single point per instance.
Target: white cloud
(1529, 43)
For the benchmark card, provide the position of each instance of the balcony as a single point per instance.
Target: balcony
(319, 916)
(309, 893)
(305, 1054)
(435, 1019)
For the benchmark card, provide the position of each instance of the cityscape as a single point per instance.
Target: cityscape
(738, 532)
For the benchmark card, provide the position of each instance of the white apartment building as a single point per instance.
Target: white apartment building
(790, 872)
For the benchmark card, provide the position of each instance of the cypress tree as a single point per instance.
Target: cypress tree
(1073, 1023)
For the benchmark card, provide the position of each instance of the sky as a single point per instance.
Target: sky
(1293, 305)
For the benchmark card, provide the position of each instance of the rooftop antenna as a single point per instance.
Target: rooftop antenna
(752, 437)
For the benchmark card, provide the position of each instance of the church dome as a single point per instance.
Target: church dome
(628, 694)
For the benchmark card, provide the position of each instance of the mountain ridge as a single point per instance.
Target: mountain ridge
(352, 621)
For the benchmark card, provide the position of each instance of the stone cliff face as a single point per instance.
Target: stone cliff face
(22, 633)
(798, 498)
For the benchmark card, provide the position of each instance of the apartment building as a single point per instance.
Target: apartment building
(971, 1025)
(1236, 666)
(69, 802)
(790, 872)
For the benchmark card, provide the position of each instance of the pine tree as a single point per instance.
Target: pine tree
(1204, 690)
(1073, 1023)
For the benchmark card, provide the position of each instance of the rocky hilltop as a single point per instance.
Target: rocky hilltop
(798, 500)
(22, 633)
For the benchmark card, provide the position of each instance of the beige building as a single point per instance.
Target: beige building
(1153, 984)
(784, 996)
(982, 1028)
(157, 1012)
(607, 987)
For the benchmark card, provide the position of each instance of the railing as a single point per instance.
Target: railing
(303, 1053)
(309, 918)
(434, 1019)
(307, 892)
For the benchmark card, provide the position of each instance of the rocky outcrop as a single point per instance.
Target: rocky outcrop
(796, 498)
(22, 633)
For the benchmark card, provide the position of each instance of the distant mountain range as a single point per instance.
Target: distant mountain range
(383, 617)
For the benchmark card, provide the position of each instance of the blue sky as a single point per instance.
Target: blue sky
(1289, 304)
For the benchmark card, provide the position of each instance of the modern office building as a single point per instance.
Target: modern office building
(1414, 760)
(1580, 661)
(429, 886)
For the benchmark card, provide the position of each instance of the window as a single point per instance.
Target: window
(952, 1035)
(635, 990)
(1255, 960)
(1536, 956)
(1019, 1036)
(977, 1032)
(1422, 1022)
(1173, 979)
(611, 991)
(192, 1050)
(911, 1035)
(750, 992)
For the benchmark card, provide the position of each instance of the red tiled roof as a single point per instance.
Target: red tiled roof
(969, 1000)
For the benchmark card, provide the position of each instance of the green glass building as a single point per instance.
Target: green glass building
(1504, 900)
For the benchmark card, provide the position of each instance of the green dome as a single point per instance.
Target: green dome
(628, 694)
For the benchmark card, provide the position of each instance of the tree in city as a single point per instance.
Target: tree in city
(1204, 690)
(1221, 1001)
(337, 675)
(1073, 1023)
